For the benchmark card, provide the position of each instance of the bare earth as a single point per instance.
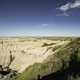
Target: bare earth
(20, 53)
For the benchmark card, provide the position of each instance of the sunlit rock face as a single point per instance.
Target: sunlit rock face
(20, 53)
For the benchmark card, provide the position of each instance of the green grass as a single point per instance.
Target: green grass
(52, 64)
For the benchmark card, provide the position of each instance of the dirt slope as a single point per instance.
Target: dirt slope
(20, 53)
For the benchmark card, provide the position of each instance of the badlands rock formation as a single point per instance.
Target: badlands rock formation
(20, 53)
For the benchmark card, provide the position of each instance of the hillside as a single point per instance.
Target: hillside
(29, 58)
(54, 63)
(19, 53)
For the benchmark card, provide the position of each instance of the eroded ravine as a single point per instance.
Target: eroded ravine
(19, 55)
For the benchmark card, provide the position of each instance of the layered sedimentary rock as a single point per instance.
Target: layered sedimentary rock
(20, 53)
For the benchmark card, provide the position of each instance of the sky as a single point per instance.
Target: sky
(39, 17)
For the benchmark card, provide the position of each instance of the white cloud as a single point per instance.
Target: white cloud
(44, 24)
(64, 7)
(69, 6)
(76, 4)
(63, 14)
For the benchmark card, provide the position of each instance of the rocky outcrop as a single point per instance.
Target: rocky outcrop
(62, 65)
(20, 53)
